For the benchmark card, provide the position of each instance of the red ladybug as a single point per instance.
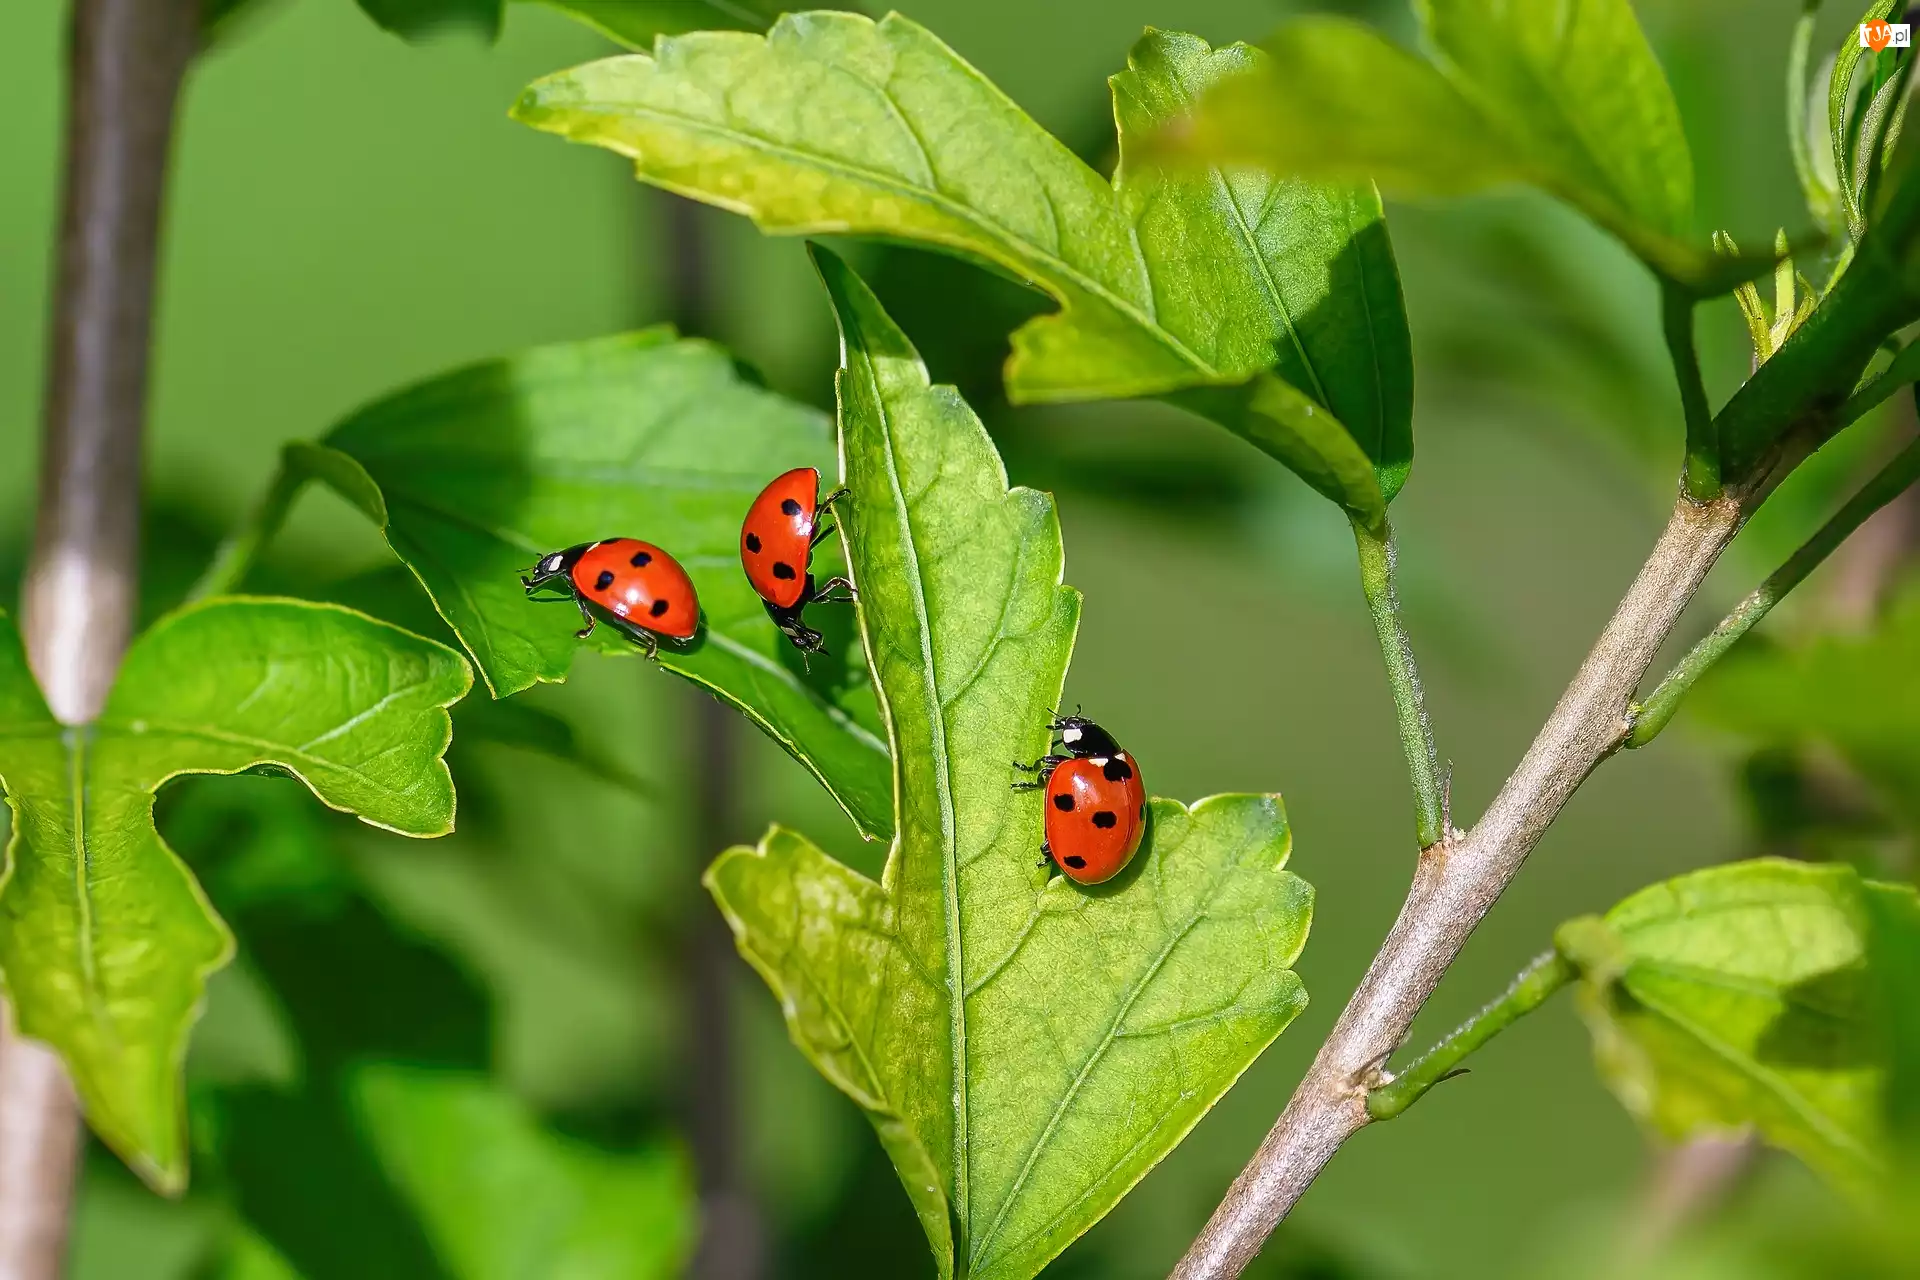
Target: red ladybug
(1096, 808)
(645, 590)
(776, 549)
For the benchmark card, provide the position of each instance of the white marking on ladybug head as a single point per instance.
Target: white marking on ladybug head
(553, 562)
(1070, 734)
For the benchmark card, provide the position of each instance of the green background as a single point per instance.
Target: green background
(349, 213)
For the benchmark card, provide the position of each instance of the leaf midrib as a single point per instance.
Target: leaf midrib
(83, 883)
(1092, 1060)
(1021, 255)
(949, 852)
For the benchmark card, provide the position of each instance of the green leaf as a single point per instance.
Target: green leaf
(1857, 695)
(636, 23)
(1566, 96)
(1742, 996)
(416, 19)
(500, 1197)
(474, 475)
(106, 940)
(1026, 1050)
(1843, 121)
(1165, 281)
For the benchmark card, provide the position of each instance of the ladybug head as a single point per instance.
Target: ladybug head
(1082, 737)
(552, 565)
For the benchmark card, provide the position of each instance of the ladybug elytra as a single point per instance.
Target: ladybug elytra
(643, 588)
(776, 549)
(1096, 803)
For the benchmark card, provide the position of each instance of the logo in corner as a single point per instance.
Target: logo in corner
(1882, 34)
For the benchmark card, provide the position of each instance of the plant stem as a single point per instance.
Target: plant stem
(238, 552)
(1653, 715)
(128, 59)
(1455, 885)
(1378, 557)
(1538, 981)
(1701, 479)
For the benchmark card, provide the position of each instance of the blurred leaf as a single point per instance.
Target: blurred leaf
(1894, 959)
(514, 724)
(1164, 281)
(1742, 996)
(359, 990)
(414, 19)
(474, 475)
(636, 23)
(1566, 96)
(107, 940)
(1807, 124)
(1026, 1050)
(1859, 695)
(502, 1198)
(248, 1257)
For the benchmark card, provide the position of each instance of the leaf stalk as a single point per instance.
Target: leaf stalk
(1702, 476)
(1532, 988)
(1378, 560)
(240, 550)
(1653, 715)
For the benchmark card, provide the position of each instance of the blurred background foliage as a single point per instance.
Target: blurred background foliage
(349, 213)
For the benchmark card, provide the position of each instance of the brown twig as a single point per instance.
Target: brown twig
(128, 59)
(1455, 885)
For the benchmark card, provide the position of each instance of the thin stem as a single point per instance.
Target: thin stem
(237, 554)
(1653, 715)
(1377, 563)
(128, 59)
(1536, 983)
(1904, 369)
(1702, 475)
(732, 1238)
(1455, 885)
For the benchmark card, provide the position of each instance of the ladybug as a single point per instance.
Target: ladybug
(1096, 807)
(776, 549)
(645, 590)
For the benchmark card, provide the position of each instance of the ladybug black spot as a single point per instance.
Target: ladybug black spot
(1063, 802)
(753, 543)
(1105, 819)
(789, 506)
(1117, 770)
(783, 571)
(659, 607)
(1075, 861)
(604, 581)
(641, 559)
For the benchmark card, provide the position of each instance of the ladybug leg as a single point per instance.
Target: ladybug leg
(1044, 766)
(824, 595)
(820, 533)
(832, 498)
(587, 630)
(647, 642)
